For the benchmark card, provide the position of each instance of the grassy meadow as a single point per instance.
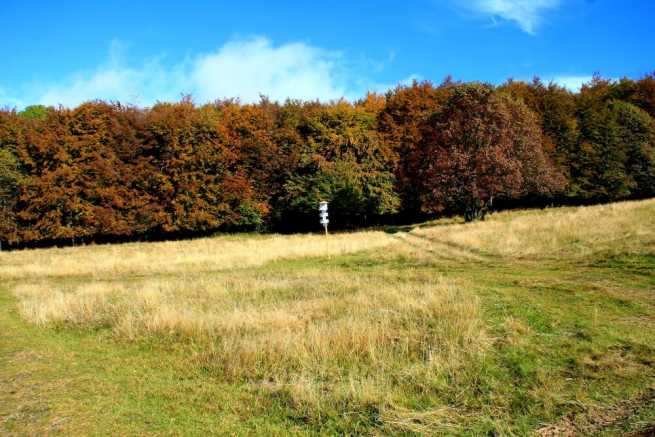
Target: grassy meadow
(538, 322)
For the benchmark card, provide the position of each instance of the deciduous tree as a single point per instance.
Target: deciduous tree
(482, 145)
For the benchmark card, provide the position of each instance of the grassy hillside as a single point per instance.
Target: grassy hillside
(532, 322)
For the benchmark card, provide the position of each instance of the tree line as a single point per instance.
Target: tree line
(104, 171)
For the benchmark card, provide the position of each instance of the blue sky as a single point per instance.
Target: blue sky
(66, 52)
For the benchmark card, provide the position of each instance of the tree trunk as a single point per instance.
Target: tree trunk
(476, 210)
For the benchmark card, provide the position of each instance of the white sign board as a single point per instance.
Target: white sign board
(323, 214)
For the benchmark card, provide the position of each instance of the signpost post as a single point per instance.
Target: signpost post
(323, 214)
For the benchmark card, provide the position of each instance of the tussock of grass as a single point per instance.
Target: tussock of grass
(273, 328)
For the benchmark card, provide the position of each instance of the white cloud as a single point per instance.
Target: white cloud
(248, 68)
(242, 68)
(572, 83)
(143, 85)
(383, 87)
(526, 13)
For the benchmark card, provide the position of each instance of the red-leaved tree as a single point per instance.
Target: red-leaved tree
(482, 145)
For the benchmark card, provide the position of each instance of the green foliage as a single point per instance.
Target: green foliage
(35, 112)
(9, 173)
(355, 196)
(11, 177)
(10, 181)
(614, 159)
(637, 138)
(344, 163)
(600, 161)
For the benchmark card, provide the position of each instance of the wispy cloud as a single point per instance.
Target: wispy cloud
(572, 83)
(115, 80)
(242, 68)
(527, 14)
(383, 87)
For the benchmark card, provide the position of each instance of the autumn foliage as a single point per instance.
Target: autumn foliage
(478, 146)
(104, 171)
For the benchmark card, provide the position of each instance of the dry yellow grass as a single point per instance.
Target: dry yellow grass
(296, 329)
(286, 322)
(200, 287)
(531, 233)
(552, 232)
(182, 257)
